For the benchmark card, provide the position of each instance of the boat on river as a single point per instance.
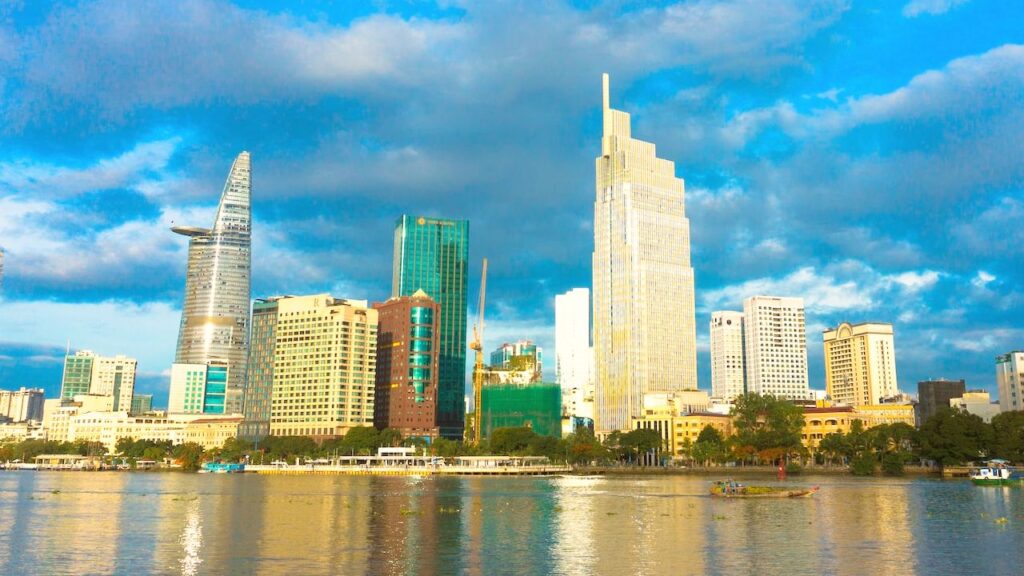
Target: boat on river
(222, 468)
(996, 473)
(730, 489)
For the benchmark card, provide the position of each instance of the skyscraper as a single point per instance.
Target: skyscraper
(86, 372)
(574, 358)
(198, 388)
(431, 254)
(215, 315)
(1010, 380)
(644, 326)
(728, 378)
(407, 362)
(860, 363)
(776, 346)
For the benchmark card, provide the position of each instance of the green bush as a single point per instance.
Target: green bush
(863, 465)
(892, 464)
(794, 468)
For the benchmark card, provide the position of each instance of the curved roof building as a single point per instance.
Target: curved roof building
(215, 315)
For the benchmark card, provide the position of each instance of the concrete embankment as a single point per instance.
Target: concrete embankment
(410, 470)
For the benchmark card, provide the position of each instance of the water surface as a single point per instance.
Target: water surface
(175, 523)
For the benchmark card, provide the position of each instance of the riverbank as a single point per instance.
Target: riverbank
(730, 471)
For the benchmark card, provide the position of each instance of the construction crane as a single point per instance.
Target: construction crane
(477, 345)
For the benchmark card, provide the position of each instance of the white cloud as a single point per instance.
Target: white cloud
(916, 8)
(147, 332)
(982, 279)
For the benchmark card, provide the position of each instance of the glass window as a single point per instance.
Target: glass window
(422, 332)
(421, 315)
(420, 345)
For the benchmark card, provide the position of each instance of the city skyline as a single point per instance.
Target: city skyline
(762, 143)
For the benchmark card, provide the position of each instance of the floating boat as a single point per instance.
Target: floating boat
(729, 489)
(995, 473)
(222, 468)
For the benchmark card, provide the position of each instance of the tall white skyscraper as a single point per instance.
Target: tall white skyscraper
(644, 325)
(776, 346)
(215, 316)
(574, 358)
(1010, 380)
(860, 363)
(728, 369)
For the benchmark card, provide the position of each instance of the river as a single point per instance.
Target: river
(176, 523)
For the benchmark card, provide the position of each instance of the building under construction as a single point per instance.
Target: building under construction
(536, 405)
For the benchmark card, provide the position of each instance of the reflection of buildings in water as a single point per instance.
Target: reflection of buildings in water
(574, 518)
(191, 541)
(81, 524)
(873, 516)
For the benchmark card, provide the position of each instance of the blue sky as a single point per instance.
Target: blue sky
(863, 155)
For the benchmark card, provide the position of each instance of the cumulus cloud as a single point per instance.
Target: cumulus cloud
(916, 8)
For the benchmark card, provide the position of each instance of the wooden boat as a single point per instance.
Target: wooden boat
(729, 489)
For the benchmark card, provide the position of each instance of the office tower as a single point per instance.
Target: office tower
(319, 360)
(198, 388)
(860, 363)
(644, 327)
(934, 395)
(520, 355)
(408, 345)
(431, 254)
(215, 315)
(775, 346)
(88, 373)
(727, 363)
(259, 380)
(21, 405)
(574, 357)
(142, 403)
(1010, 380)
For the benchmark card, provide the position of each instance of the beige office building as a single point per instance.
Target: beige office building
(727, 363)
(775, 340)
(209, 431)
(1010, 380)
(860, 363)
(323, 373)
(644, 327)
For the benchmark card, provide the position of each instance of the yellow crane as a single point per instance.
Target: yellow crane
(478, 369)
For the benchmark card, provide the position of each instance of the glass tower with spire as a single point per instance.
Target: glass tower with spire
(215, 315)
(644, 326)
(432, 254)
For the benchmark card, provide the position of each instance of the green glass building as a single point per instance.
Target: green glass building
(537, 406)
(77, 375)
(432, 254)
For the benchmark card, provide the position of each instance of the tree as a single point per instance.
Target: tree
(361, 440)
(711, 434)
(511, 440)
(953, 437)
(1008, 431)
(189, 455)
(390, 437)
(767, 422)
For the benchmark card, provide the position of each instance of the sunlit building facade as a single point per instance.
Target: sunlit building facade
(644, 326)
(1010, 380)
(215, 315)
(728, 378)
(860, 363)
(86, 372)
(775, 347)
(432, 255)
(574, 357)
(198, 388)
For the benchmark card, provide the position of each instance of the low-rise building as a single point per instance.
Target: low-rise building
(976, 402)
(822, 421)
(679, 416)
(210, 431)
(880, 414)
(18, 431)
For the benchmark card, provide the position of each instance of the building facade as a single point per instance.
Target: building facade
(215, 314)
(934, 395)
(198, 388)
(142, 403)
(432, 255)
(408, 350)
(728, 372)
(322, 372)
(519, 355)
(1010, 381)
(976, 402)
(259, 380)
(775, 344)
(537, 406)
(21, 405)
(89, 373)
(860, 363)
(574, 356)
(644, 319)
(108, 427)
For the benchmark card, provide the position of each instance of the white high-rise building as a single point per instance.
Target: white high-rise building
(776, 346)
(574, 358)
(645, 336)
(86, 372)
(860, 363)
(727, 362)
(1010, 379)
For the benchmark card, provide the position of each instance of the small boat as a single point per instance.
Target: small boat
(222, 468)
(995, 473)
(730, 489)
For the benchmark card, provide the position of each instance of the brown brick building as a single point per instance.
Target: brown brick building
(407, 365)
